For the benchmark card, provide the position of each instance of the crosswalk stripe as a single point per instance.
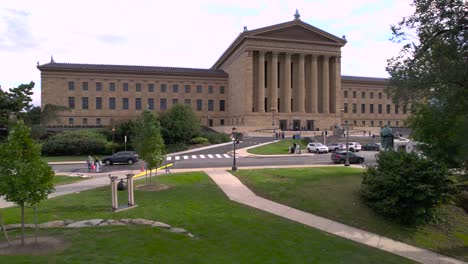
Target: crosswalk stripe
(185, 157)
(177, 158)
(218, 156)
(210, 156)
(169, 158)
(194, 156)
(226, 156)
(202, 156)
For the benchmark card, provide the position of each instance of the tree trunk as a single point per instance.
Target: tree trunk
(22, 224)
(151, 174)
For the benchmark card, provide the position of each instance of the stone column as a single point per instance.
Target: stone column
(314, 84)
(337, 96)
(261, 82)
(333, 85)
(326, 85)
(274, 82)
(286, 87)
(301, 85)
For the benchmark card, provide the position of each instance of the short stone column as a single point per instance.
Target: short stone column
(115, 201)
(131, 198)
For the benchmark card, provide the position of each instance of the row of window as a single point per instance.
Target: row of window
(371, 108)
(139, 103)
(363, 95)
(150, 87)
(372, 123)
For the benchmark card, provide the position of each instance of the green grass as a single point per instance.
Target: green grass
(227, 232)
(65, 158)
(276, 148)
(62, 180)
(333, 192)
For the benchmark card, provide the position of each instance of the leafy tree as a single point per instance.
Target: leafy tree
(148, 141)
(15, 102)
(406, 187)
(431, 73)
(180, 124)
(24, 178)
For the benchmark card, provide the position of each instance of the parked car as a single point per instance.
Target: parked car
(336, 146)
(317, 147)
(129, 157)
(340, 157)
(371, 146)
(354, 146)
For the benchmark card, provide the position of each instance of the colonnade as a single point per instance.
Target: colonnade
(296, 82)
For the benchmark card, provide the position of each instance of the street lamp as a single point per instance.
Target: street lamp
(347, 142)
(341, 118)
(113, 137)
(234, 140)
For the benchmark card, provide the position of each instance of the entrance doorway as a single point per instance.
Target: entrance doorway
(296, 124)
(310, 125)
(283, 124)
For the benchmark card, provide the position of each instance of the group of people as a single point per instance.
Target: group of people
(279, 134)
(94, 164)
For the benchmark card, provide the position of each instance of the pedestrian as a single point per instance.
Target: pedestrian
(89, 161)
(282, 135)
(364, 133)
(97, 164)
(369, 134)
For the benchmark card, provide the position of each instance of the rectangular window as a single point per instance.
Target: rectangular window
(388, 109)
(345, 94)
(210, 105)
(380, 109)
(380, 123)
(210, 89)
(98, 121)
(345, 107)
(138, 87)
(372, 122)
(396, 123)
(222, 105)
(187, 88)
(98, 86)
(389, 123)
(363, 95)
(125, 87)
(354, 94)
(175, 101)
(354, 108)
(84, 85)
(151, 103)
(363, 108)
(396, 109)
(363, 123)
(199, 104)
(162, 104)
(151, 87)
(138, 103)
(71, 86)
(175, 88)
(187, 102)
(84, 102)
(71, 121)
(112, 87)
(112, 103)
(163, 88)
(125, 105)
(380, 95)
(85, 121)
(98, 103)
(371, 95)
(199, 89)
(371, 108)
(221, 122)
(71, 102)
(221, 90)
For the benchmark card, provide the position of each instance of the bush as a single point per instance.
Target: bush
(406, 187)
(78, 142)
(216, 138)
(199, 140)
(171, 148)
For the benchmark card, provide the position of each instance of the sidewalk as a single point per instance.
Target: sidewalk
(238, 192)
(243, 152)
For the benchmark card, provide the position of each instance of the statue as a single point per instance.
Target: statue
(386, 135)
(337, 130)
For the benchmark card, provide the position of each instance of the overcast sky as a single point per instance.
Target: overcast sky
(179, 33)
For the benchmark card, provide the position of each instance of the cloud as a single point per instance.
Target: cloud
(14, 31)
(112, 39)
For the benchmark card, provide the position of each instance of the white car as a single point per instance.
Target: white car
(317, 148)
(354, 146)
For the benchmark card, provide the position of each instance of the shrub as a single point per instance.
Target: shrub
(406, 187)
(179, 124)
(216, 138)
(78, 142)
(171, 148)
(199, 140)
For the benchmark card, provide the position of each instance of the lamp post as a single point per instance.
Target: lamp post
(234, 140)
(341, 118)
(347, 143)
(113, 137)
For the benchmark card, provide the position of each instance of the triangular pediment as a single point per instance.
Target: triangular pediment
(296, 32)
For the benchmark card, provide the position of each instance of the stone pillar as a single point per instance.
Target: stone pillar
(274, 82)
(301, 85)
(286, 87)
(131, 197)
(261, 82)
(333, 85)
(326, 85)
(337, 95)
(115, 201)
(314, 84)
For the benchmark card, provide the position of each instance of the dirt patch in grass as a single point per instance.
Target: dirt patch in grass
(152, 188)
(43, 245)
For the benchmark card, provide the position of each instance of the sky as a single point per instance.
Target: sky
(175, 33)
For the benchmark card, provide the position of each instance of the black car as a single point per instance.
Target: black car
(129, 157)
(340, 157)
(371, 146)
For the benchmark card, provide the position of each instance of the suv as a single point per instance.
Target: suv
(317, 148)
(354, 146)
(129, 157)
(336, 146)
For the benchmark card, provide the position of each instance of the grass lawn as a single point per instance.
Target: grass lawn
(61, 180)
(276, 148)
(64, 158)
(226, 232)
(333, 192)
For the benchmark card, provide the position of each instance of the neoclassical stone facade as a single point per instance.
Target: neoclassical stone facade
(286, 76)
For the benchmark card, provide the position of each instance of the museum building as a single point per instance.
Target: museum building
(286, 76)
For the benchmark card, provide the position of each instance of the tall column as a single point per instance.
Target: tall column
(286, 87)
(337, 99)
(314, 85)
(261, 82)
(326, 85)
(301, 85)
(333, 85)
(274, 82)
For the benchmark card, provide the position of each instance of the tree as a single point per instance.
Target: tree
(15, 102)
(180, 124)
(24, 178)
(431, 73)
(148, 141)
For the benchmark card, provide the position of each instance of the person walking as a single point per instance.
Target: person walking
(97, 164)
(89, 161)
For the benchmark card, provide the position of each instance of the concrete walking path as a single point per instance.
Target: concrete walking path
(238, 192)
